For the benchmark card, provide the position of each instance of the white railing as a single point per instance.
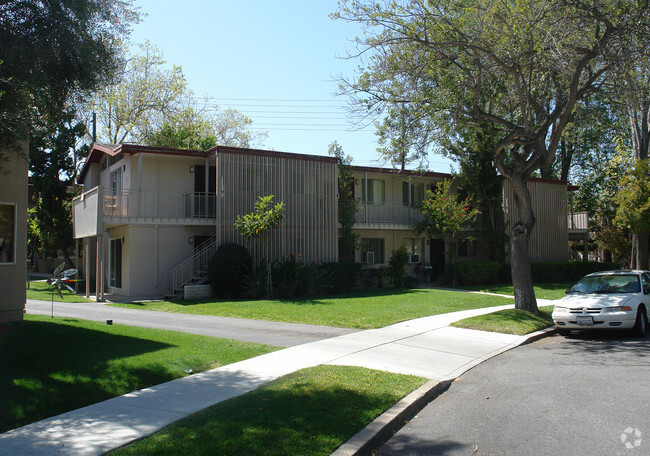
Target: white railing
(159, 204)
(387, 213)
(195, 268)
(578, 221)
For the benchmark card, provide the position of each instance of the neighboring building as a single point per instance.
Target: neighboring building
(152, 217)
(386, 216)
(13, 236)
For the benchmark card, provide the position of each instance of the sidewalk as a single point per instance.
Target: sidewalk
(426, 347)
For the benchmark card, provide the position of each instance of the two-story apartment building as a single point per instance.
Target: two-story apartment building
(152, 217)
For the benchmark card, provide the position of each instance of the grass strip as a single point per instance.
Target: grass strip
(510, 321)
(42, 291)
(53, 365)
(310, 412)
(542, 290)
(363, 310)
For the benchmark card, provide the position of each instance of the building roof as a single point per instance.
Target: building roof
(98, 150)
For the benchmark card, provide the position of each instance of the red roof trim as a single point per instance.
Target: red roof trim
(269, 153)
(396, 172)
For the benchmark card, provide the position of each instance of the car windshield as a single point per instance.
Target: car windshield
(619, 283)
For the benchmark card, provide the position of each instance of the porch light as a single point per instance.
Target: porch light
(190, 240)
(191, 168)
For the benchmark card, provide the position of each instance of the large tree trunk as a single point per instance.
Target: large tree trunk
(523, 222)
(640, 250)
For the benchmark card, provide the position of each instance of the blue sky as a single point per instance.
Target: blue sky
(276, 61)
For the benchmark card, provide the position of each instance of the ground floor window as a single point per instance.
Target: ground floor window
(415, 249)
(115, 260)
(372, 250)
(7, 233)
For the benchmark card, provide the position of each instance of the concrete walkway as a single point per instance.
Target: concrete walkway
(427, 347)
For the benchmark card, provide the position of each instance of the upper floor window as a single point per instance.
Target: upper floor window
(7, 233)
(374, 191)
(416, 192)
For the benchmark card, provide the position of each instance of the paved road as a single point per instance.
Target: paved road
(261, 332)
(578, 396)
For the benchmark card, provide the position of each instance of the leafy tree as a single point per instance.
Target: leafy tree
(520, 67)
(52, 52)
(397, 266)
(444, 216)
(257, 224)
(52, 153)
(143, 92)
(347, 204)
(633, 199)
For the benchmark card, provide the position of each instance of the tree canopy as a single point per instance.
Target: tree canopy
(53, 51)
(519, 67)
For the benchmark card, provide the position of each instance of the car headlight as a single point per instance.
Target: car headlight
(559, 309)
(617, 309)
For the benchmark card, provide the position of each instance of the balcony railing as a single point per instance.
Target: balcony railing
(387, 213)
(578, 221)
(160, 204)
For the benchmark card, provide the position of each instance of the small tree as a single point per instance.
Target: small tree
(444, 216)
(397, 266)
(347, 203)
(633, 202)
(255, 225)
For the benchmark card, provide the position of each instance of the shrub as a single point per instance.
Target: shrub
(291, 277)
(227, 269)
(479, 273)
(569, 271)
(254, 281)
(341, 277)
(397, 267)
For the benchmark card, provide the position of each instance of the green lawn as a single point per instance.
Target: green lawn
(310, 412)
(41, 290)
(52, 365)
(365, 310)
(542, 290)
(510, 321)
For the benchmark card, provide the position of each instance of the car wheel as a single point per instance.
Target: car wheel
(641, 323)
(564, 332)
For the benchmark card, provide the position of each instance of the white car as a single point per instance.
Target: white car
(606, 300)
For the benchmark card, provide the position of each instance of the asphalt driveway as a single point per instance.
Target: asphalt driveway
(587, 395)
(258, 331)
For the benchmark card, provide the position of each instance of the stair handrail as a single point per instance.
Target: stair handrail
(190, 268)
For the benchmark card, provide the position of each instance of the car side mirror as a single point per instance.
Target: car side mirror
(567, 291)
(646, 290)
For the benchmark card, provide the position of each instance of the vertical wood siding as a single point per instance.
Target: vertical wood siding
(549, 240)
(308, 190)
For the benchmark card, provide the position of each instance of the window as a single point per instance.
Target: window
(415, 249)
(376, 191)
(7, 233)
(467, 248)
(115, 263)
(116, 183)
(372, 250)
(417, 192)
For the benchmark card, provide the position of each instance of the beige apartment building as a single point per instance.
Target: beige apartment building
(151, 218)
(13, 236)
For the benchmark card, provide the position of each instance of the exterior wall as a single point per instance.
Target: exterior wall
(13, 194)
(549, 240)
(306, 186)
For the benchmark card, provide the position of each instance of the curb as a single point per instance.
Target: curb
(388, 423)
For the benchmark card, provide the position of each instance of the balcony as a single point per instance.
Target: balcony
(141, 206)
(386, 216)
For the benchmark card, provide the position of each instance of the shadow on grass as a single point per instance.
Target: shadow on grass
(300, 420)
(313, 300)
(48, 368)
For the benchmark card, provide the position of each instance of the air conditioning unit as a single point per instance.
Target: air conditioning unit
(414, 258)
(369, 257)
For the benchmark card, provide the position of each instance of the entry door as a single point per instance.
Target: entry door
(437, 255)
